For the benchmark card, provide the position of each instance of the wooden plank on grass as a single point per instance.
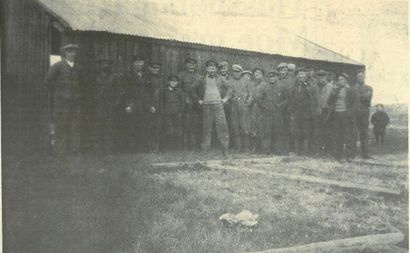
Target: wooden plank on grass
(355, 244)
(341, 184)
(258, 160)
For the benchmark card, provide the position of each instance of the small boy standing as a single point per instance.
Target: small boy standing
(173, 99)
(380, 120)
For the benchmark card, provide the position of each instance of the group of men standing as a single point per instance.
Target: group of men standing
(290, 110)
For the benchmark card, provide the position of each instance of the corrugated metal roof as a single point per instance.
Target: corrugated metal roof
(145, 19)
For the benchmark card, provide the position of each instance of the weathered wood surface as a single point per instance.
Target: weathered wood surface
(309, 179)
(356, 244)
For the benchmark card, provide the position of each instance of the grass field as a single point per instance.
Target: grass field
(115, 204)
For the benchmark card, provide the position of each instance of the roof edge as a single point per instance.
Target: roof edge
(61, 20)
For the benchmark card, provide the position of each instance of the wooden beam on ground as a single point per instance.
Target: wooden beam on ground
(356, 244)
(309, 179)
(381, 164)
(258, 160)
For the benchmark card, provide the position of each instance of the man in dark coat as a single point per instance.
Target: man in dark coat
(380, 120)
(173, 104)
(154, 117)
(241, 99)
(191, 118)
(343, 103)
(106, 98)
(137, 107)
(65, 82)
(365, 93)
(303, 108)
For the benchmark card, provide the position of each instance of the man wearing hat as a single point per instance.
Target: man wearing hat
(246, 74)
(173, 105)
(291, 70)
(137, 107)
(154, 117)
(105, 103)
(286, 81)
(310, 70)
(208, 93)
(241, 99)
(303, 107)
(280, 100)
(268, 99)
(223, 68)
(380, 120)
(343, 102)
(256, 113)
(65, 83)
(191, 126)
(365, 93)
(324, 125)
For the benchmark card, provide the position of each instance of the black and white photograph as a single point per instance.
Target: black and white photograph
(189, 126)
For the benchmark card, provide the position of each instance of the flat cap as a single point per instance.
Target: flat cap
(70, 46)
(291, 66)
(223, 64)
(282, 65)
(237, 67)
(137, 58)
(379, 105)
(362, 70)
(300, 70)
(190, 60)
(173, 78)
(273, 73)
(211, 63)
(346, 76)
(155, 64)
(246, 72)
(258, 69)
(103, 58)
(322, 73)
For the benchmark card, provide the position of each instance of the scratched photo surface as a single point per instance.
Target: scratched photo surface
(205, 126)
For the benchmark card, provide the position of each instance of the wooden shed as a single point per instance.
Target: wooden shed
(34, 30)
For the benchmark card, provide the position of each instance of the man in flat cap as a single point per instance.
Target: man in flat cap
(268, 100)
(208, 93)
(380, 120)
(137, 107)
(365, 93)
(256, 113)
(105, 102)
(154, 117)
(291, 70)
(311, 74)
(191, 126)
(286, 81)
(343, 102)
(223, 68)
(324, 125)
(173, 106)
(303, 107)
(65, 83)
(280, 100)
(241, 99)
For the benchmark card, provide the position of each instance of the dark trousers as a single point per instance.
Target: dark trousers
(191, 127)
(240, 125)
(301, 128)
(324, 134)
(136, 132)
(154, 130)
(173, 129)
(280, 140)
(362, 124)
(343, 133)
(265, 129)
(379, 135)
